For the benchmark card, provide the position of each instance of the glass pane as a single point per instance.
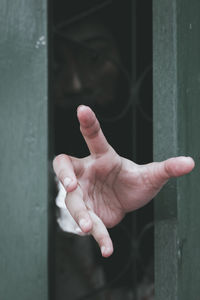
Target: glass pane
(102, 58)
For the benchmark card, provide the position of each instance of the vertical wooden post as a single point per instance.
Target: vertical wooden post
(176, 132)
(23, 150)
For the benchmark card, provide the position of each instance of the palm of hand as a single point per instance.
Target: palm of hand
(112, 186)
(97, 184)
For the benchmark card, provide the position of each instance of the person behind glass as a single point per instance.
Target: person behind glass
(88, 69)
(104, 186)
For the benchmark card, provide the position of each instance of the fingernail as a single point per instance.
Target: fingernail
(103, 248)
(84, 223)
(67, 182)
(81, 107)
(106, 251)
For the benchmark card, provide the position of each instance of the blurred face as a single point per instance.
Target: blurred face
(86, 70)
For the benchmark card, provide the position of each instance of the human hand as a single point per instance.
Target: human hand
(104, 186)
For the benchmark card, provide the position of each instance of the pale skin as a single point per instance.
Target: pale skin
(103, 187)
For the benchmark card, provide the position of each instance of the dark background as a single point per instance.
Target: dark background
(131, 137)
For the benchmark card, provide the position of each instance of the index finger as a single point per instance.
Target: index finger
(91, 131)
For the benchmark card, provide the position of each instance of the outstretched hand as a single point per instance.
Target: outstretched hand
(104, 186)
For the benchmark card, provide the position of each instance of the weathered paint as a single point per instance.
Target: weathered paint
(23, 150)
(176, 132)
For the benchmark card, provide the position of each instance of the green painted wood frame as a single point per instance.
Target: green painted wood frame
(176, 72)
(23, 150)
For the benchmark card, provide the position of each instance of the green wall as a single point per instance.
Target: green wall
(176, 58)
(23, 150)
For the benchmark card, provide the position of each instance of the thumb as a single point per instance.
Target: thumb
(172, 167)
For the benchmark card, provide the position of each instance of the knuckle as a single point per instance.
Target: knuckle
(102, 239)
(59, 159)
(62, 175)
(150, 180)
(92, 130)
(78, 215)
